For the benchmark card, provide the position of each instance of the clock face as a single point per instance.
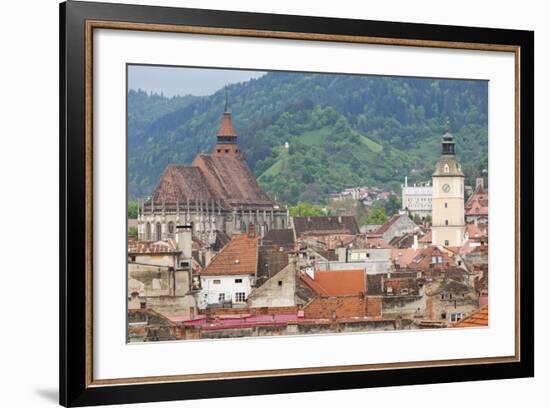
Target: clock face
(446, 188)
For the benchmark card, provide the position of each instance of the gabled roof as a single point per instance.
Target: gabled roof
(151, 247)
(230, 179)
(478, 202)
(325, 225)
(223, 180)
(279, 238)
(182, 183)
(476, 319)
(404, 241)
(476, 207)
(403, 256)
(387, 225)
(238, 257)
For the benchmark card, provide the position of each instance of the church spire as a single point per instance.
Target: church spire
(226, 108)
(227, 136)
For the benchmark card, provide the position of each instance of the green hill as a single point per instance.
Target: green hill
(341, 131)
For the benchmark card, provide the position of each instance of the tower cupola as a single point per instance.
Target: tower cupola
(448, 145)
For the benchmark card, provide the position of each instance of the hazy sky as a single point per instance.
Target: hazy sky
(184, 81)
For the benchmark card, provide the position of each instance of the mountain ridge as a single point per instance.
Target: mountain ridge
(368, 130)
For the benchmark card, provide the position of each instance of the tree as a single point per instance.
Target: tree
(132, 232)
(377, 216)
(132, 209)
(393, 205)
(306, 209)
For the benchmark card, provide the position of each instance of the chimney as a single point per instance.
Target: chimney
(184, 240)
(415, 243)
(406, 184)
(339, 219)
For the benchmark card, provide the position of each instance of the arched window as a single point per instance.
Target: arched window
(446, 168)
(148, 231)
(445, 205)
(171, 229)
(158, 230)
(446, 222)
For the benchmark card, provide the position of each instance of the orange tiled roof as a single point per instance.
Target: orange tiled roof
(403, 257)
(226, 127)
(152, 247)
(426, 238)
(477, 319)
(339, 283)
(477, 209)
(238, 257)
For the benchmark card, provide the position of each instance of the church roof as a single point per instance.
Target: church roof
(183, 183)
(230, 179)
(226, 127)
(226, 180)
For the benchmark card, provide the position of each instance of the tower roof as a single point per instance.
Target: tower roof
(226, 127)
(447, 164)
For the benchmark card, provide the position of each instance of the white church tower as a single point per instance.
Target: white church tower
(448, 225)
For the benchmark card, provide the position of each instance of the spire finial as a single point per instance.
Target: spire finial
(447, 125)
(226, 108)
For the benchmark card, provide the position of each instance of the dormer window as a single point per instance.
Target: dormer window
(446, 168)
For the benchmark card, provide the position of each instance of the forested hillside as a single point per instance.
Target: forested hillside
(341, 131)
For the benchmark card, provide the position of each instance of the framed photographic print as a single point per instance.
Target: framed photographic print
(255, 203)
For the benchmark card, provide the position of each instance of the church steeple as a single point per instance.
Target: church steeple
(227, 136)
(448, 145)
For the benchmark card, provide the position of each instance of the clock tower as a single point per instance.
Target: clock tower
(448, 226)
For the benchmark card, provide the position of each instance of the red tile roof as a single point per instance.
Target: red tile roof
(478, 202)
(403, 256)
(426, 238)
(338, 283)
(226, 127)
(478, 318)
(152, 247)
(238, 257)
(230, 179)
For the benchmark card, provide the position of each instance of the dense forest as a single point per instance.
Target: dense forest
(306, 135)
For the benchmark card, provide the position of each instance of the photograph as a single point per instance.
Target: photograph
(281, 203)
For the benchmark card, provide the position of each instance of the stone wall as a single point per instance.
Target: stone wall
(277, 291)
(403, 306)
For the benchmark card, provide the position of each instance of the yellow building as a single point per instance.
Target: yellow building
(448, 198)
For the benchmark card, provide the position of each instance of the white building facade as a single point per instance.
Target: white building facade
(417, 199)
(224, 290)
